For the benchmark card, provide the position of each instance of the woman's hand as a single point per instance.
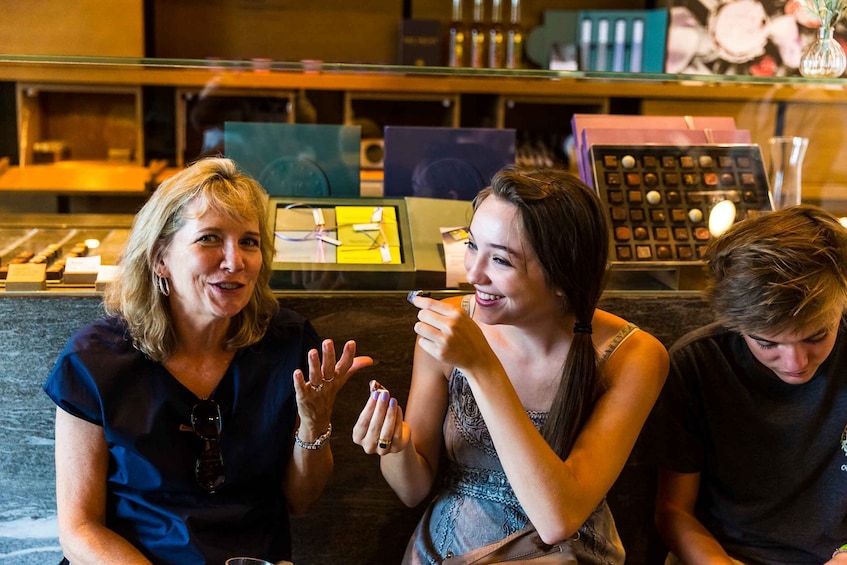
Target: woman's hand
(316, 397)
(310, 469)
(450, 335)
(380, 428)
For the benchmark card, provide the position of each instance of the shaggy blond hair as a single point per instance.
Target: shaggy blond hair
(779, 271)
(215, 184)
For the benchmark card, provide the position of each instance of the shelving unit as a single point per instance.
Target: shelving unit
(433, 80)
(533, 102)
(391, 108)
(544, 125)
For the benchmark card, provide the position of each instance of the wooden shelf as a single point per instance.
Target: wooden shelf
(78, 177)
(485, 98)
(539, 83)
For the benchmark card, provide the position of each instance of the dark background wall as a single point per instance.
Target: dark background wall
(330, 30)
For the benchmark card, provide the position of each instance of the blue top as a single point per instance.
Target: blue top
(152, 498)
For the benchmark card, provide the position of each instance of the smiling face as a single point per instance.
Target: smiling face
(213, 262)
(794, 356)
(504, 270)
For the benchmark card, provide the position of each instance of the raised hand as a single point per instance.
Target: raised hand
(316, 398)
(450, 335)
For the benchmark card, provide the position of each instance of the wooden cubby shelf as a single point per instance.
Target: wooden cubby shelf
(538, 104)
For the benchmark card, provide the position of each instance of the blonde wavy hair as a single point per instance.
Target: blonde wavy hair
(215, 184)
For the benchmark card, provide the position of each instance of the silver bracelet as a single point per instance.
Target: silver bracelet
(318, 443)
(842, 549)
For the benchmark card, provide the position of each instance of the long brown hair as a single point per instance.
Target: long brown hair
(564, 224)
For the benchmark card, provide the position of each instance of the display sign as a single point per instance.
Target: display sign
(26, 277)
(420, 43)
(81, 270)
(301, 160)
(446, 163)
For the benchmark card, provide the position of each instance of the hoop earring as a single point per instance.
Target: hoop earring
(162, 285)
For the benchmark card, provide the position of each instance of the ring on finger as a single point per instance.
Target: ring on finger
(383, 443)
(316, 388)
(328, 380)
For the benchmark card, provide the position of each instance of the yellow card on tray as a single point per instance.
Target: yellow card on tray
(368, 234)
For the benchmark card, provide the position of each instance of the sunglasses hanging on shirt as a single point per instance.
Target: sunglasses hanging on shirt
(206, 422)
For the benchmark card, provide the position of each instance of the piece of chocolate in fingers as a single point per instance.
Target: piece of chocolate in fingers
(415, 293)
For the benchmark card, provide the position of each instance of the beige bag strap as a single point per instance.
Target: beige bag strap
(523, 546)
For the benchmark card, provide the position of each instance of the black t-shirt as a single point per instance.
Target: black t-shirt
(772, 456)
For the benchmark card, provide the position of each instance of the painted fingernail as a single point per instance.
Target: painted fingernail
(393, 403)
(383, 395)
(375, 395)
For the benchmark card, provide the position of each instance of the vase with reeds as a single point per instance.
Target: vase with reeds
(824, 57)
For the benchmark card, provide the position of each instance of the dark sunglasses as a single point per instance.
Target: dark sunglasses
(206, 422)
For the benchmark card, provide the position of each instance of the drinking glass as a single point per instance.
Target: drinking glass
(786, 168)
(247, 561)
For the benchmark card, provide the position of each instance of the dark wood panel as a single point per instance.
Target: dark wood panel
(283, 30)
(331, 30)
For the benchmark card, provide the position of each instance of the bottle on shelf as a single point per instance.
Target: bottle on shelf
(514, 38)
(456, 48)
(477, 50)
(496, 48)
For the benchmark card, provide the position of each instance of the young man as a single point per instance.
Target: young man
(750, 430)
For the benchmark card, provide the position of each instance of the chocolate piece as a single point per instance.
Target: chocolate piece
(415, 293)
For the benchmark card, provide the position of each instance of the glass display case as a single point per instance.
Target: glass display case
(52, 240)
(538, 104)
(320, 244)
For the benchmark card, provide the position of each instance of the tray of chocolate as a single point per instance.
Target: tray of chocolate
(53, 247)
(666, 202)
